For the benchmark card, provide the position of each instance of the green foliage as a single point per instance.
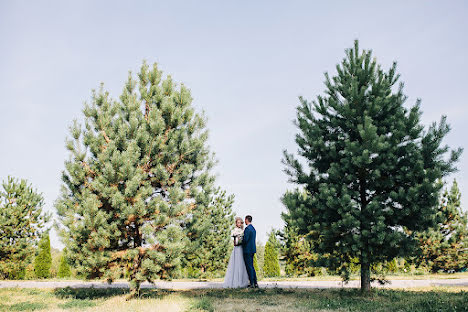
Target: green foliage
(88, 293)
(209, 230)
(202, 304)
(138, 169)
(392, 266)
(21, 223)
(259, 260)
(255, 264)
(29, 270)
(64, 268)
(444, 247)
(271, 266)
(56, 257)
(27, 306)
(43, 260)
(77, 304)
(297, 251)
(371, 170)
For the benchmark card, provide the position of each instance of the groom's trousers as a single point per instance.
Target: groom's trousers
(248, 259)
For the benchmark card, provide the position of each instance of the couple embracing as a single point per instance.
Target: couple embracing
(241, 271)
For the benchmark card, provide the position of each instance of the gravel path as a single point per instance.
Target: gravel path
(462, 282)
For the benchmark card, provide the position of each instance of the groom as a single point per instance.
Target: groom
(249, 248)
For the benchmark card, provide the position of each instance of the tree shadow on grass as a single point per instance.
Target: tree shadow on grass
(103, 293)
(88, 293)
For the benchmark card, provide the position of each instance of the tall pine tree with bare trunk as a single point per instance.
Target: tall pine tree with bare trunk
(138, 168)
(368, 166)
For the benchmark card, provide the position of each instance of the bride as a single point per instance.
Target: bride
(236, 274)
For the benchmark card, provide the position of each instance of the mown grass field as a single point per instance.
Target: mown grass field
(105, 300)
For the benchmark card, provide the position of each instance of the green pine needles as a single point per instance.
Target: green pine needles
(369, 168)
(21, 223)
(256, 266)
(64, 270)
(139, 168)
(297, 252)
(43, 260)
(209, 234)
(444, 247)
(271, 266)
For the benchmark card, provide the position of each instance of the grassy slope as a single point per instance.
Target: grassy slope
(104, 300)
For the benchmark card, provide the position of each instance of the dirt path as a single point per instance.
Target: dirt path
(461, 282)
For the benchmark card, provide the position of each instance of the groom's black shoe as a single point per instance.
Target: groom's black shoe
(255, 286)
(251, 286)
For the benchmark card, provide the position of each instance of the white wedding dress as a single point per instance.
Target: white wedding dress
(236, 273)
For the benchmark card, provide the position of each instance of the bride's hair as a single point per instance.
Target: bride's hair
(242, 221)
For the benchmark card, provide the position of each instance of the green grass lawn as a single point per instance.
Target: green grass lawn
(104, 300)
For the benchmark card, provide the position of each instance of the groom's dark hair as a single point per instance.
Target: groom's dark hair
(249, 217)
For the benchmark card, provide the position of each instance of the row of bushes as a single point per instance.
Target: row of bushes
(51, 263)
(45, 262)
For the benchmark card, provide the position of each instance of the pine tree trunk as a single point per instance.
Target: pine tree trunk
(134, 291)
(365, 266)
(365, 277)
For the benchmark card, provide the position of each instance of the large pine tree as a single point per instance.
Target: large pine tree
(137, 170)
(444, 247)
(21, 224)
(369, 168)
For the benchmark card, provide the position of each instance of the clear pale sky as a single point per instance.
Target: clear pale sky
(246, 62)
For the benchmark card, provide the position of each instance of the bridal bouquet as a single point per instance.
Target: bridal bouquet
(238, 235)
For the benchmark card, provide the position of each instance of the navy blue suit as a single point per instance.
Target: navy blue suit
(249, 248)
